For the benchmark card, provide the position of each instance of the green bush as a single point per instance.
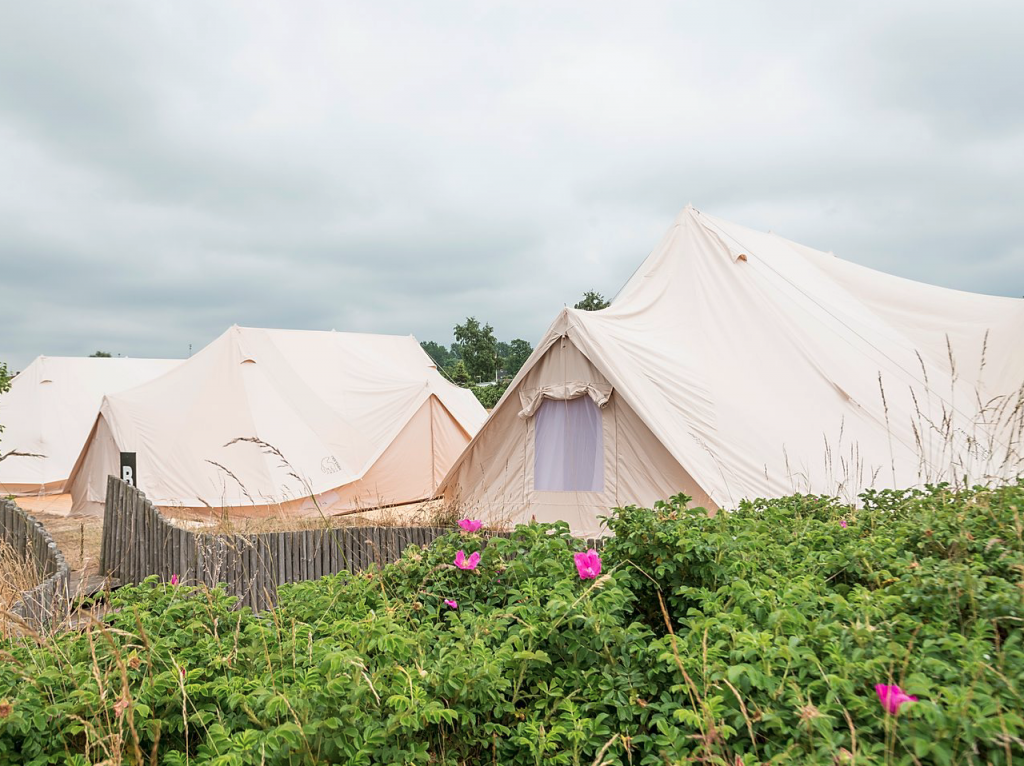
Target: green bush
(755, 636)
(784, 621)
(488, 396)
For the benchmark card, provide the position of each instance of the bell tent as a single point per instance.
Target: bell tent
(47, 414)
(284, 422)
(737, 364)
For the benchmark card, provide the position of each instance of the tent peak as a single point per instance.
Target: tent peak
(688, 213)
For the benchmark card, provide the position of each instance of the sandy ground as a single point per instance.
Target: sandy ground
(53, 505)
(427, 513)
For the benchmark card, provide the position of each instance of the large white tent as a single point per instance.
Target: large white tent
(737, 364)
(284, 421)
(47, 414)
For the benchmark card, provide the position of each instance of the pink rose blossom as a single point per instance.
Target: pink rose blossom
(842, 523)
(470, 525)
(467, 563)
(175, 579)
(451, 603)
(892, 697)
(588, 564)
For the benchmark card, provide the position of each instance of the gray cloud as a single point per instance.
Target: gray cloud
(169, 170)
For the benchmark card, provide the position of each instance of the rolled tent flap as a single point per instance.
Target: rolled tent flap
(564, 373)
(532, 399)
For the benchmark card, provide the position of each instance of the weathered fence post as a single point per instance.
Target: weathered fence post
(139, 541)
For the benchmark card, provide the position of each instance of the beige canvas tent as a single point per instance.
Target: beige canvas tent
(737, 364)
(49, 410)
(284, 421)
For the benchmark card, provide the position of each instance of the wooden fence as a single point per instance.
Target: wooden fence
(48, 601)
(138, 541)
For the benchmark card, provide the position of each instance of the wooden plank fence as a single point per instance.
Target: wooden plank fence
(138, 541)
(47, 603)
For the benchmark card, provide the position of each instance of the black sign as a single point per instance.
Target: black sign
(128, 468)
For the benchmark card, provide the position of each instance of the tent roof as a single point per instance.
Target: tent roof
(313, 411)
(766, 367)
(51, 407)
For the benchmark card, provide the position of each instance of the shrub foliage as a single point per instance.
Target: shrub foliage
(755, 636)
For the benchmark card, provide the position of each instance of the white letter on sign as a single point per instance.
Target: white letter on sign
(126, 475)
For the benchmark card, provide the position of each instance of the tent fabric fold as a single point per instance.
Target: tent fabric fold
(565, 376)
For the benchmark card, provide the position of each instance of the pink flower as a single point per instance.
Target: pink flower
(175, 579)
(451, 603)
(463, 563)
(842, 523)
(588, 564)
(470, 525)
(892, 697)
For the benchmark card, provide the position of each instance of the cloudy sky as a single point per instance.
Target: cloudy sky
(169, 169)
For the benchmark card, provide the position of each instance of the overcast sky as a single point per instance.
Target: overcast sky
(168, 169)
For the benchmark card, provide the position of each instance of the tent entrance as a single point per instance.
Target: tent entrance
(568, 446)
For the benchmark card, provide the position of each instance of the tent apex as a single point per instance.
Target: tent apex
(688, 212)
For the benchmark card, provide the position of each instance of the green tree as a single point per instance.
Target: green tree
(459, 375)
(518, 352)
(100, 355)
(478, 348)
(5, 386)
(437, 352)
(488, 396)
(592, 301)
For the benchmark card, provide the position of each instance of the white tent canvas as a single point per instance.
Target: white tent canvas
(285, 421)
(49, 410)
(737, 364)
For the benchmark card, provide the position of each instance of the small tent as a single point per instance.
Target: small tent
(737, 364)
(284, 422)
(47, 414)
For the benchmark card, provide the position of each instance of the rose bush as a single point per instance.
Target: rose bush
(785, 623)
(768, 634)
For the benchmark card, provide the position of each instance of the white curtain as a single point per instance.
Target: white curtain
(569, 448)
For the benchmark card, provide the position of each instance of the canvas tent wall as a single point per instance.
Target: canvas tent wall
(49, 410)
(736, 364)
(264, 421)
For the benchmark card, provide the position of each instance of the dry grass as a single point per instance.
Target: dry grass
(960, 436)
(262, 516)
(17, 574)
(78, 538)
(430, 513)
